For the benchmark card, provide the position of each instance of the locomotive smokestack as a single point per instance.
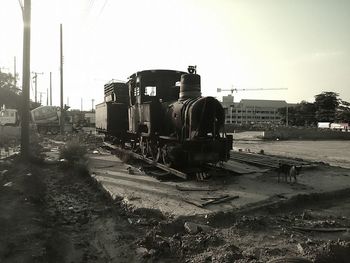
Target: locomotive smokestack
(190, 86)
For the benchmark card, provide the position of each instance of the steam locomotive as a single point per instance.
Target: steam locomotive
(162, 115)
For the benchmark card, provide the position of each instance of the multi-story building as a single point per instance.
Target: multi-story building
(253, 111)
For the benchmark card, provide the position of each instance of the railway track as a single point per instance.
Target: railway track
(252, 159)
(266, 160)
(199, 173)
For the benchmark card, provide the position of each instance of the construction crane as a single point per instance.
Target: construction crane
(236, 90)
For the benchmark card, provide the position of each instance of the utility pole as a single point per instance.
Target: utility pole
(47, 97)
(61, 82)
(50, 88)
(41, 96)
(14, 71)
(81, 104)
(26, 12)
(36, 84)
(36, 87)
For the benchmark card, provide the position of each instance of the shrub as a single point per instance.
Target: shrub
(73, 152)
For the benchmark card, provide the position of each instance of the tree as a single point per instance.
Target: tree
(301, 114)
(9, 93)
(343, 112)
(307, 113)
(291, 114)
(326, 105)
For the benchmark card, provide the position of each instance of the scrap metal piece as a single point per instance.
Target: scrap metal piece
(214, 197)
(183, 188)
(193, 202)
(222, 199)
(309, 229)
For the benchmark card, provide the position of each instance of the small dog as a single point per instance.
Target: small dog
(288, 170)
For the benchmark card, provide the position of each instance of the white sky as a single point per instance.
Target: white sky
(302, 45)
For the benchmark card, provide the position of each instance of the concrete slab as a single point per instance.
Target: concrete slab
(242, 168)
(336, 153)
(142, 191)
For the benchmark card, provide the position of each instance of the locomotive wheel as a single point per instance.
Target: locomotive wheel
(165, 156)
(54, 130)
(42, 130)
(135, 146)
(158, 154)
(143, 147)
(122, 143)
(153, 150)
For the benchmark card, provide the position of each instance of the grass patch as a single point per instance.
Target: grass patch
(76, 162)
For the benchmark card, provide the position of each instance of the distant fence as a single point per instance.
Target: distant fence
(291, 133)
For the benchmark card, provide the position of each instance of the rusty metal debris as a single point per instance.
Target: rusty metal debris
(3, 172)
(9, 184)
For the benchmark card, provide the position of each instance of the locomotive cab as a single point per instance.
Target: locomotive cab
(148, 90)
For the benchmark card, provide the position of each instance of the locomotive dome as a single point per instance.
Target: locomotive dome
(190, 86)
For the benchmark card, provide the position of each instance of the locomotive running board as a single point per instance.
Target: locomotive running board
(149, 161)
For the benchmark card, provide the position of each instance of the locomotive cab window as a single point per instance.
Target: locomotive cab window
(151, 91)
(136, 91)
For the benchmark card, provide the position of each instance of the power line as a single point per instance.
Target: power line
(91, 4)
(103, 7)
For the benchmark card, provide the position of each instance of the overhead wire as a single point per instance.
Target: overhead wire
(103, 7)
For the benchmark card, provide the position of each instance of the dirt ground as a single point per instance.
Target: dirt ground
(52, 212)
(335, 153)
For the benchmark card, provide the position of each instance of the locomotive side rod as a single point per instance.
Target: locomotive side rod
(149, 161)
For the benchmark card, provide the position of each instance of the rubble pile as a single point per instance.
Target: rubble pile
(53, 213)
